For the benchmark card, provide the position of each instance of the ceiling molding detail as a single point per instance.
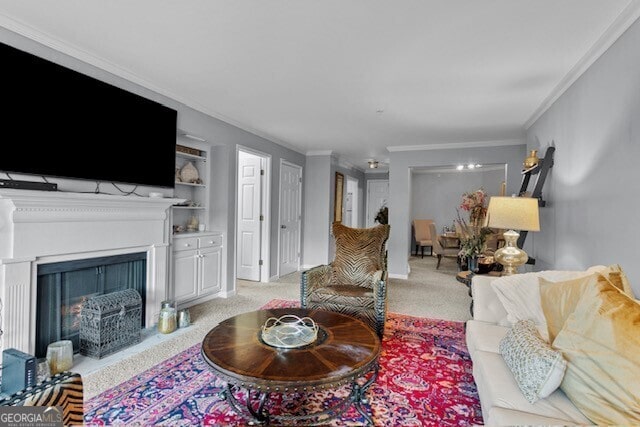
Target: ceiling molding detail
(455, 145)
(622, 23)
(379, 170)
(452, 169)
(319, 153)
(348, 165)
(105, 65)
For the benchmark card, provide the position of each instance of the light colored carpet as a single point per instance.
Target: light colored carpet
(427, 293)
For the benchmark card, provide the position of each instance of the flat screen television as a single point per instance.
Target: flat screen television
(59, 122)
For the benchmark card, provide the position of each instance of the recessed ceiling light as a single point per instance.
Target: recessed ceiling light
(471, 166)
(478, 166)
(459, 167)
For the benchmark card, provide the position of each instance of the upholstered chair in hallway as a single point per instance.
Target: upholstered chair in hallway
(355, 283)
(444, 247)
(422, 234)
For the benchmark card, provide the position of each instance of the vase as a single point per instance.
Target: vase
(472, 264)
(531, 160)
(189, 173)
(60, 356)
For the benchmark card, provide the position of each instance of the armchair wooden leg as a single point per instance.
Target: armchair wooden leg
(422, 247)
(439, 259)
(417, 246)
(430, 250)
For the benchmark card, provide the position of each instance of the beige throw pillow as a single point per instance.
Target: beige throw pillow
(559, 300)
(601, 343)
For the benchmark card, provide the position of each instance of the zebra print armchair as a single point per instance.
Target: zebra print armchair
(355, 283)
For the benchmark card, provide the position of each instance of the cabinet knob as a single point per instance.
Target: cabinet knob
(283, 226)
(187, 244)
(211, 242)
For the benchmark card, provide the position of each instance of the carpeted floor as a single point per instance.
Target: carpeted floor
(424, 379)
(427, 293)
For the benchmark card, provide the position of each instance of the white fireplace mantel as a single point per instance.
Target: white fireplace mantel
(38, 227)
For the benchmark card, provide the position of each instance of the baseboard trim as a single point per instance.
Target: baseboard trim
(398, 276)
(227, 294)
(308, 266)
(273, 278)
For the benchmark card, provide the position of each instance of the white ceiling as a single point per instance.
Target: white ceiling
(352, 76)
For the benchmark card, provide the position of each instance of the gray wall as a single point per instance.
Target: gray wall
(223, 136)
(436, 195)
(400, 188)
(592, 191)
(316, 216)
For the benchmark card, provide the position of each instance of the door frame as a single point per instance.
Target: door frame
(288, 163)
(367, 200)
(349, 181)
(265, 196)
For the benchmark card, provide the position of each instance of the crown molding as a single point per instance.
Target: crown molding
(618, 27)
(376, 171)
(89, 58)
(319, 153)
(455, 145)
(454, 170)
(348, 165)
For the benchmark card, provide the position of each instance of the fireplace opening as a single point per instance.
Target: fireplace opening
(64, 286)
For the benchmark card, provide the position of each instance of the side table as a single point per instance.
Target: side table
(466, 277)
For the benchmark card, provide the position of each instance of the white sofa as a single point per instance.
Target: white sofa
(500, 397)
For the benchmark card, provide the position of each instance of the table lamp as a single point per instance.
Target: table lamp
(512, 213)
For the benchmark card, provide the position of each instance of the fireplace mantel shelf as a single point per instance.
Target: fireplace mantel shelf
(90, 198)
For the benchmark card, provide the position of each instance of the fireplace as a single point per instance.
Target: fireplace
(40, 228)
(62, 287)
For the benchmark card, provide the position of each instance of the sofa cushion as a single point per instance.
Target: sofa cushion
(601, 342)
(520, 294)
(484, 336)
(498, 388)
(537, 368)
(510, 417)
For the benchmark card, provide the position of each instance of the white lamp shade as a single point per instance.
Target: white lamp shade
(513, 213)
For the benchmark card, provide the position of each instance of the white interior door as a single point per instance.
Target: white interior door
(290, 218)
(377, 196)
(249, 203)
(351, 203)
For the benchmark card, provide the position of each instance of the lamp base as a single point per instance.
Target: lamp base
(510, 256)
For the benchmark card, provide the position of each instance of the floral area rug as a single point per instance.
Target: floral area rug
(424, 380)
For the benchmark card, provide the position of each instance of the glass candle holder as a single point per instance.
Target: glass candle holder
(60, 356)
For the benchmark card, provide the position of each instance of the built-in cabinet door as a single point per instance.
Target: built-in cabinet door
(185, 265)
(210, 267)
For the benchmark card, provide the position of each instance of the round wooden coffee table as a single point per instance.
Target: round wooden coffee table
(345, 351)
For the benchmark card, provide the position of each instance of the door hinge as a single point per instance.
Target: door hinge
(299, 179)
(261, 171)
(260, 262)
(261, 217)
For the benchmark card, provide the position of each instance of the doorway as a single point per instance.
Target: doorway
(252, 220)
(377, 196)
(351, 203)
(290, 218)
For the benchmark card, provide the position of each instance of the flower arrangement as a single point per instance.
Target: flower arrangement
(474, 203)
(473, 235)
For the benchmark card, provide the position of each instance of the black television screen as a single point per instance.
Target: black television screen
(58, 122)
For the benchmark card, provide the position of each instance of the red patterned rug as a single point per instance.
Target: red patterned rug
(424, 380)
